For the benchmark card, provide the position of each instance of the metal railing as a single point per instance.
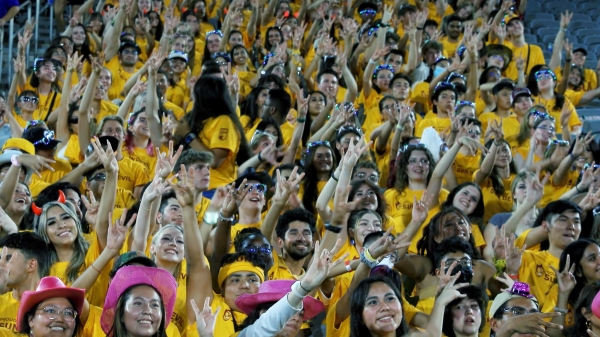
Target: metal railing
(12, 36)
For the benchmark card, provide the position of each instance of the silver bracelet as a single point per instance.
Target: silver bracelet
(222, 218)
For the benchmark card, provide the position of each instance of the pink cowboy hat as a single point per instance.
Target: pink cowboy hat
(273, 291)
(49, 287)
(129, 276)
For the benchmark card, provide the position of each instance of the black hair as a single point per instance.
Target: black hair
(32, 246)
(164, 201)
(243, 235)
(497, 182)
(532, 86)
(586, 297)
(160, 27)
(382, 207)
(311, 178)
(296, 214)
(281, 100)
(450, 245)
(575, 251)
(210, 67)
(552, 209)
(401, 76)
(374, 236)
(250, 108)
(327, 71)
(212, 100)
(502, 85)
(262, 125)
(263, 80)
(473, 292)
(255, 314)
(268, 45)
(357, 306)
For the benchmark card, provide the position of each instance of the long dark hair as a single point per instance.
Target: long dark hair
(427, 245)
(262, 125)
(212, 100)
(311, 178)
(84, 49)
(495, 177)
(575, 250)
(250, 108)
(118, 328)
(306, 133)
(381, 203)
(532, 86)
(477, 215)
(255, 314)
(159, 28)
(586, 297)
(357, 305)
(268, 45)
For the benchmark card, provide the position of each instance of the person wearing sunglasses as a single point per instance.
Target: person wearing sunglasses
(522, 139)
(542, 82)
(45, 82)
(543, 133)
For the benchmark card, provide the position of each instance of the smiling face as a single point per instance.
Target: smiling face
(383, 79)
(545, 82)
(367, 224)
(167, 246)
(140, 126)
(382, 313)
(329, 84)
(59, 54)
(213, 42)
(563, 228)
(589, 265)
(61, 228)
(254, 200)
(545, 131)
(454, 29)
(518, 302)
(453, 224)
(240, 55)
(368, 197)
(418, 166)
(41, 325)
(238, 284)
(78, 35)
(46, 72)
(578, 58)
(274, 37)
(574, 77)
(323, 160)
(466, 317)
(515, 28)
(503, 156)
(171, 214)
(143, 311)
(298, 240)
(129, 56)
(467, 199)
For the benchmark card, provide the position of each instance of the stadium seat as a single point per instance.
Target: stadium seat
(530, 38)
(538, 24)
(578, 25)
(589, 40)
(580, 18)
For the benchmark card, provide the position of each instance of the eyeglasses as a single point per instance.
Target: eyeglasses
(519, 311)
(52, 313)
(26, 99)
(260, 188)
(465, 262)
(369, 12)
(258, 250)
(129, 52)
(99, 177)
(372, 177)
(544, 75)
(213, 32)
(48, 137)
(475, 132)
(259, 134)
(550, 129)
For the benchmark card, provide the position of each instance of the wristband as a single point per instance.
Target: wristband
(567, 60)
(189, 138)
(260, 158)
(334, 229)
(301, 120)
(348, 266)
(226, 219)
(211, 218)
(400, 127)
(562, 311)
(364, 259)
(15, 161)
(368, 256)
(514, 277)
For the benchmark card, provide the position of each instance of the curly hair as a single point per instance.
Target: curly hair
(402, 166)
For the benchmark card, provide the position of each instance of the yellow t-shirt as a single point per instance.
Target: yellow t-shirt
(119, 78)
(179, 316)
(527, 51)
(510, 125)
(97, 293)
(131, 174)
(555, 112)
(46, 104)
(590, 81)
(9, 307)
(401, 203)
(550, 304)
(201, 208)
(61, 168)
(107, 108)
(450, 47)
(92, 327)
(124, 198)
(22, 123)
(496, 204)
(72, 153)
(221, 133)
(177, 111)
(224, 322)
(280, 270)
(574, 96)
(464, 166)
(420, 94)
(176, 94)
(439, 124)
(535, 270)
(141, 156)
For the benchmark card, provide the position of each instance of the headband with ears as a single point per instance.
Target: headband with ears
(38, 211)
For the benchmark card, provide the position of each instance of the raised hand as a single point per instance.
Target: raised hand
(107, 157)
(419, 211)
(35, 162)
(184, 188)
(566, 278)
(284, 188)
(379, 54)
(233, 199)
(450, 292)
(117, 232)
(535, 189)
(445, 276)
(156, 188)
(513, 255)
(497, 131)
(565, 19)
(506, 280)
(91, 206)
(387, 245)
(205, 319)
(520, 63)
(73, 61)
(499, 243)
(321, 264)
(166, 162)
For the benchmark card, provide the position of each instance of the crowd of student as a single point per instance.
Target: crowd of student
(296, 168)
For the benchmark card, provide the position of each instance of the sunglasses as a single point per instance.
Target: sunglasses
(26, 99)
(542, 115)
(99, 177)
(48, 137)
(412, 146)
(544, 75)
(260, 188)
(368, 12)
(258, 250)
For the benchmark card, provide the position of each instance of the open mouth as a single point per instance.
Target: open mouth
(57, 328)
(385, 319)
(145, 321)
(21, 201)
(64, 234)
(171, 251)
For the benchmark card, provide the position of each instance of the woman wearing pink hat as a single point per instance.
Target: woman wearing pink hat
(140, 301)
(53, 309)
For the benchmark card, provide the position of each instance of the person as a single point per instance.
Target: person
(24, 262)
(587, 312)
(136, 292)
(465, 316)
(51, 308)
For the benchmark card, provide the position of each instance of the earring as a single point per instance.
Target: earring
(352, 242)
(588, 324)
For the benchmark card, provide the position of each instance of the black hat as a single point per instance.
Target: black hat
(129, 44)
(582, 50)
(113, 141)
(41, 138)
(498, 49)
(406, 8)
(126, 259)
(366, 5)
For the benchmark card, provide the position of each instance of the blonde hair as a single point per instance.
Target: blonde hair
(155, 239)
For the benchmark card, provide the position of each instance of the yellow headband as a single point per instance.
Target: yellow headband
(238, 266)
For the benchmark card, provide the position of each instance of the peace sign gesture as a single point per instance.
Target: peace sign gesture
(184, 188)
(419, 211)
(450, 292)
(497, 131)
(445, 276)
(566, 278)
(302, 104)
(233, 198)
(73, 61)
(513, 255)
(117, 232)
(107, 157)
(284, 188)
(205, 319)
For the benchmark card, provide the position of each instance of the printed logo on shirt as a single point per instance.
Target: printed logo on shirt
(404, 205)
(223, 132)
(177, 320)
(539, 270)
(227, 315)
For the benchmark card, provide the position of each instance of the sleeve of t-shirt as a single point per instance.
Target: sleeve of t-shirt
(224, 135)
(499, 219)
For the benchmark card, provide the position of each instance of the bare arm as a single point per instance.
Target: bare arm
(107, 203)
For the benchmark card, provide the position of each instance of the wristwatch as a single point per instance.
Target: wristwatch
(189, 138)
(334, 229)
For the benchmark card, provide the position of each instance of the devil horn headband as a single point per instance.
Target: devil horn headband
(38, 211)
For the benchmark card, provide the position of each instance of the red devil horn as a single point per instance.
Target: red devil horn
(36, 210)
(61, 197)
